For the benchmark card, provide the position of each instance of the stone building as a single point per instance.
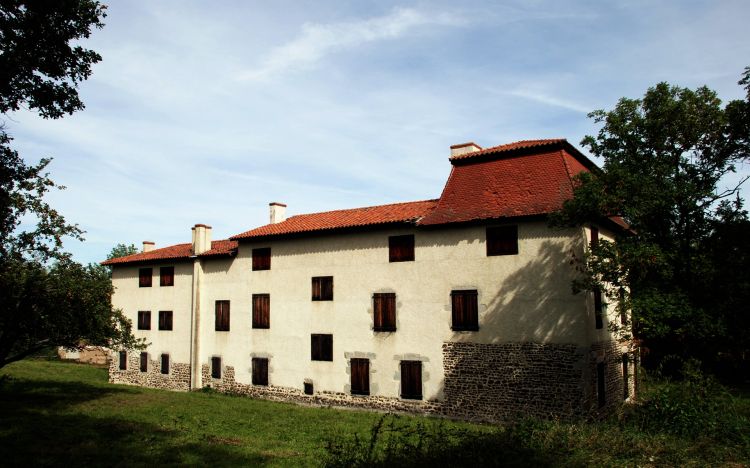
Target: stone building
(460, 306)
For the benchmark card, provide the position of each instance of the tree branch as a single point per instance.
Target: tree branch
(37, 347)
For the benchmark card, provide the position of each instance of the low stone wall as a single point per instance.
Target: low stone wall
(177, 379)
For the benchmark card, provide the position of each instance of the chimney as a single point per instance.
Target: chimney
(278, 212)
(201, 238)
(464, 148)
(148, 246)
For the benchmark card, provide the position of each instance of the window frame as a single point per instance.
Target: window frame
(361, 385)
(411, 390)
(145, 280)
(469, 298)
(497, 244)
(166, 276)
(261, 259)
(166, 322)
(260, 371)
(144, 320)
(321, 347)
(222, 317)
(324, 289)
(261, 311)
(384, 311)
(401, 248)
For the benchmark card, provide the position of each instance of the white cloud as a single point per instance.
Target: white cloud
(544, 98)
(318, 40)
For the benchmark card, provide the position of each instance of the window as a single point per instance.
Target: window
(602, 398)
(598, 308)
(260, 371)
(360, 370)
(144, 362)
(411, 380)
(625, 376)
(502, 240)
(123, 360)
(594, 236)
(215, 367)
(262, 259)
(321, 347)
(144, 277)
(308, 388)
(322, 288)
(261, 311)
(165, 320)
(384, 308)
(144, 320)
(464, 310)
(166, 276)
(165, 363)
(222, 316)
(401, 248)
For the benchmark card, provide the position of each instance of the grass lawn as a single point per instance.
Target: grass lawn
(55, 413)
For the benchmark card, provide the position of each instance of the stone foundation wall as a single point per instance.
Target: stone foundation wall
(610, 353)
(177, 379)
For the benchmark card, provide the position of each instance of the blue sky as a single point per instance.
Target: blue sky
(204, 112)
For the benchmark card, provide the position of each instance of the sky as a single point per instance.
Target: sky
(204, 112)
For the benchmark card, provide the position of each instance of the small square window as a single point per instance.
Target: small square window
(165, 320)
(144, 320)
(144, 362)
(144, 277)
(166, 276)
(123, 360)
(360, 378)
(262, 259)
(165, 363)
(321, 347)
(260, 371)
(411, 380)
(502, 240)
(215, 367)
(308, 388)
(322, 288)
(401, 248)
(464, 310)
(261, 311)
(222, 316)
(384, 311)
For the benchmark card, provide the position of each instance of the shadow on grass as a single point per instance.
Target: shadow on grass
(37, 429)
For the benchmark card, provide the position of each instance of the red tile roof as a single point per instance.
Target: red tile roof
(175, 252)
(517, 145)
(408, 212)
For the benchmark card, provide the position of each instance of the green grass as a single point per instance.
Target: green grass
(57, 413)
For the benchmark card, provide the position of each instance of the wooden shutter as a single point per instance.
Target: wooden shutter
(594, 236)
(411, 380)
(322, 288)
(598, 308)
(600, 387)
(384, 311)
(465, 310)
(123, 360)
(144, 320)
(144, 362)
(261, 311)
(360, 374)
(502, 240)
(321, 347)
(401, 248)
(215, 367)
(625, 376)
(222, 316)
(144, 277)
(165, 363)
(262, 259)
(260, 371)
(166, 276)
(165, 320)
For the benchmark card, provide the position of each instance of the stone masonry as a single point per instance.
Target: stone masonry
(178, 377)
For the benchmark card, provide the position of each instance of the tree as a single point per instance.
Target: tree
(122, 250)
(45, 298)
(665, 161)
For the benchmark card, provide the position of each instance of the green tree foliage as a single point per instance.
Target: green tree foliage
(45, 298)
(122, 250)
(665, 161)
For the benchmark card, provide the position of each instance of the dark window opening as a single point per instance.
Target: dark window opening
(411, 380)
(401, 248)
(308, 388)
(166, 276)
(360, 374)
(594, 236)
(123, 360)
(222, 316)
(602, 398)
(165, 363)
(598, 309)
(502, 240)
(144, 277)
(384, 309)
(165, 320)
(262, 259)
(261, 311)
(260, 371)
(625, 376)
(322, 288)
(215, 367)
(144, 362)
(321, 347)
(144, 320)
(465, 310)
